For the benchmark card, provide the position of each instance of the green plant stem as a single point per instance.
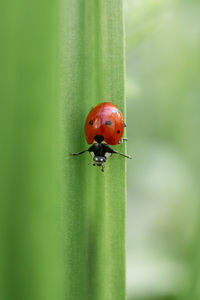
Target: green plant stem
(93, 220)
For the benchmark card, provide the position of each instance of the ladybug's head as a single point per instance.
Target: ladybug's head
(99, 160)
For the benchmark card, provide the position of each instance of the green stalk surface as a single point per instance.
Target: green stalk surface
(92, 67)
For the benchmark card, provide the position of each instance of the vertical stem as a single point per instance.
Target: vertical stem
(93, 221)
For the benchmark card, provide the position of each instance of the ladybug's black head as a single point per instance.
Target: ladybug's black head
(99, 160)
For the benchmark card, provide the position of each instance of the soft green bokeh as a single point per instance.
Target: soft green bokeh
(28, 151)
(163, 90)
(62, 221)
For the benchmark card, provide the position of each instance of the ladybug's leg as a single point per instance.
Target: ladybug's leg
(123, 139)
(110, 150)
(79, 153)
(122, 154)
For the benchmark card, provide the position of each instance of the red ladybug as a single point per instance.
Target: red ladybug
(104, 126)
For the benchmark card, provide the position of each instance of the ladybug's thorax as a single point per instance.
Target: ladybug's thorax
(98, 149)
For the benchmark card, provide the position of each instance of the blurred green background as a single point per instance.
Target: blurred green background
(163, 108)
(163, 116)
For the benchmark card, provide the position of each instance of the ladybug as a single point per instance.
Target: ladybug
(104, 126)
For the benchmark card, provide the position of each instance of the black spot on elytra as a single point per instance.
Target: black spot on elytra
(108, 123)
(91, 122)
(118, 131)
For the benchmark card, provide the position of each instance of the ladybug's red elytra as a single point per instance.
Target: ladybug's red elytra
(104, 126)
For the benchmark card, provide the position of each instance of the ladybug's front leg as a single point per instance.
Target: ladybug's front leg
(79, 153)
(110, 150)
(122, 154)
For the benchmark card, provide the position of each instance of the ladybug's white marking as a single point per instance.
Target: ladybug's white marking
(92, 153)
(107, 154)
